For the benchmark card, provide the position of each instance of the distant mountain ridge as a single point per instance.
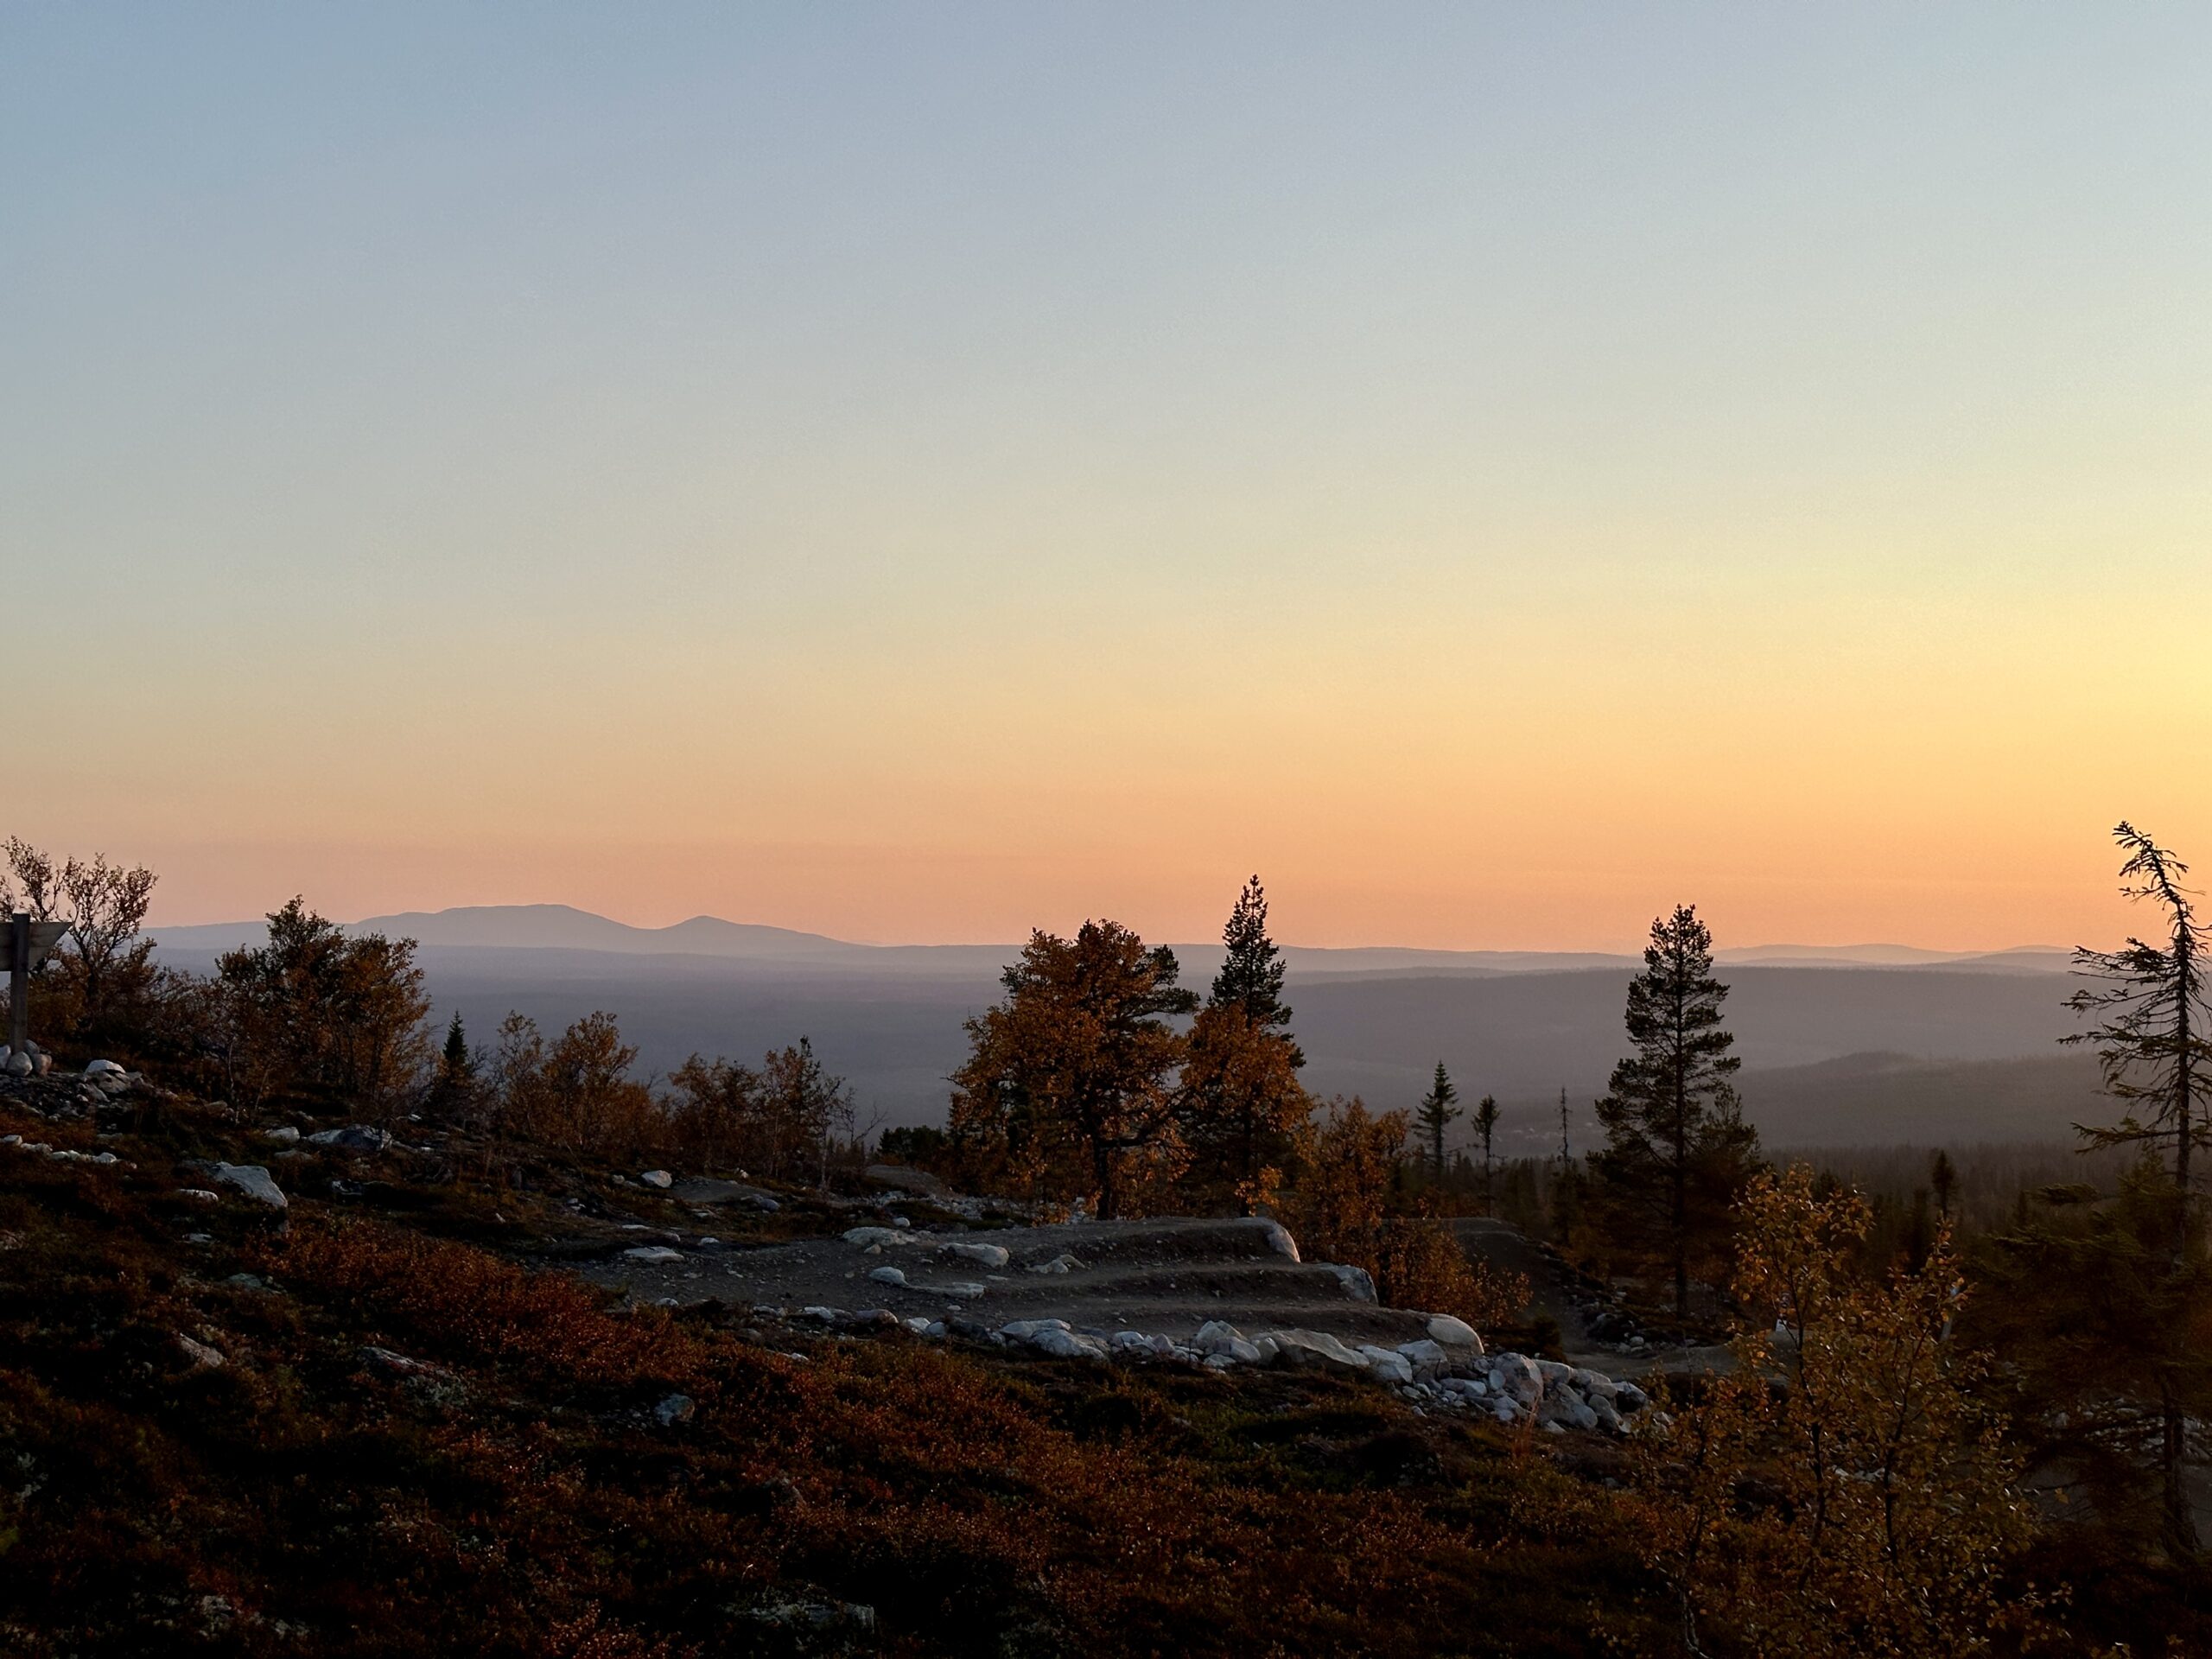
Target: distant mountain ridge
(564, 927)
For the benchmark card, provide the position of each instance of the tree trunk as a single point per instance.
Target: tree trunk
(2184, 1106)
(2180, 1522)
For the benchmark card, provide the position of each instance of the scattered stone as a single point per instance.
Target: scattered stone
(652, 1253)
(387, 1362)
(199, 1354)
(1219, 1339)
(677, 1408)
(659, 1178)
(354, 1137)
(1387, 1364)
(990, 1257)
(1316, 1350)
(252, 1180)
(888, 1276)
(866, 1238)
(1061, 1263)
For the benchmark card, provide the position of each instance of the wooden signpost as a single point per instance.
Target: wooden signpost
(27, 945)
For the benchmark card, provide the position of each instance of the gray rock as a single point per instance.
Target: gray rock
(1516, 1375)
(877, 1237)
(1279, 1239)
(659, 1178)
(1387, 1364)
(1427, 1358)
(652, 1253)
(288, 1136)
(1219, 1339)
(955, 1290)
(1359, 1283)
(1314, 1350)
(199, 1354)
(252, 1180)
(388, 1362)
(102, 1068)
(990, 1257)
(888, 1276)
(1061, 1263)
(677, 1408)
(354, 1137)
(1068, 1345)
(1454, 1333)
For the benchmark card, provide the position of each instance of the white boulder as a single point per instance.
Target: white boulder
(659, 1178)
(990, 1257)
(1218, 1338)
(888, 1276)
(252, 1179)
(1455, 1332)
(652, 1253)
(1387, 1364)
(1316, 1351)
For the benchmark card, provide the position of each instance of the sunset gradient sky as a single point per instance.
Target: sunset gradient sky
(916, 472)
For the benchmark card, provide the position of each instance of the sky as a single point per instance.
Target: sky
(919, 473)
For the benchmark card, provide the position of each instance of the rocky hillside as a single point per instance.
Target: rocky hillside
(288, 1386)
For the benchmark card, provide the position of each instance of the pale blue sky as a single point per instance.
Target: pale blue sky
(862, 429)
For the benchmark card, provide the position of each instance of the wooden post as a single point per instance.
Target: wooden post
(19, 982)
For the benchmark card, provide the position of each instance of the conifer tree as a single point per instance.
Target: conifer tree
(455, 1058)
(2152, 1043)
(1677, 1150)
(1252, 972)
(1437, 1111)
(1486, 1126)
(1943, 1177)
(1241, 1108)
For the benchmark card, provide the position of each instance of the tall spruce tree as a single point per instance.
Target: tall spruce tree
(1677, 1150)
(1437, 1111)
(2137, 1257)
(2152, 1040)
(1486, 1127)
(1252, 972)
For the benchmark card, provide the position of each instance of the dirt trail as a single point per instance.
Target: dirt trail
(1506, 1247)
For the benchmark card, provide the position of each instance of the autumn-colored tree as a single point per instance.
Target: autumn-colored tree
(1239, 1111)
(715, 1118)
(803, 1108)
(95, 988)
(1349, 1180)
(1677, 1150)
(320, 1013)
(1068, 1085)
(575, 1092)
(1839, 1492)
